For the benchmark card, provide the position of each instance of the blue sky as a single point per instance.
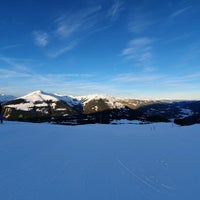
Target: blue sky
(133, 48)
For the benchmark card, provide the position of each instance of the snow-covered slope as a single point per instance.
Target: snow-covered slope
(112, 102)
(41, 106)
(101, 102)
(41, 99)
(99, 162)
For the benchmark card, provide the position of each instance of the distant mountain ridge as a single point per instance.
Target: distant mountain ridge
(42, 106)
(5, 98)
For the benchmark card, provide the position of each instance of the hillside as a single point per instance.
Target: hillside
(41, 106)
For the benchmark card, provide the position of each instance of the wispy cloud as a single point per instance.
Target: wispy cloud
(62, 50)
(14, 64)
(12, 46)
(13, 74)
(132, 78)
(115, 9)
(139, 50)
(186, 81)
(179, 12)
(66, 83)
(16, 75)
(139, 23)
(160, 85)
(180, 37)
(129, 84)
(68, 29)
(66, 26)
(41, 38)
(13, 71)
(78, 22)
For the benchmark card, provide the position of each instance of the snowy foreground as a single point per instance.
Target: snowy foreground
(99, 162)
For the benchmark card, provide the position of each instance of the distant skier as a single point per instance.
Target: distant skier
(1, 115)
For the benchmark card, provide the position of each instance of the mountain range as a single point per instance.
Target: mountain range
(40, 106)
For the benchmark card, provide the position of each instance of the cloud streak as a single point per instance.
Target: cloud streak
(10, 46)
(69, 29)
(186, 81)
(179, 12)
(76, 23)
(128, 84)
(64, 49)
(19, 75)
(41, 38)
(115, 9)
(132, 78)
(164, 83)
(139, 23)
(139, 50)
(13, 74)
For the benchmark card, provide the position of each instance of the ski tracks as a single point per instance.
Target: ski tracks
(155, 186)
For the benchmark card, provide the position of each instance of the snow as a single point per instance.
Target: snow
(27, 106)
(44, 96)
(96, 108)
(41, 98)
(99, 162)
(186, 112)
(112, 102)
(38, 96)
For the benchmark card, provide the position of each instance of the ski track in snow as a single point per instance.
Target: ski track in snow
(131, 171)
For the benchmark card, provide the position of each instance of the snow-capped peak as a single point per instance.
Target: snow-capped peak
(113, 102)
(39, 95)
(41, 99)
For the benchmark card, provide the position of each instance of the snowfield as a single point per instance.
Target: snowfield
(99, 162)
